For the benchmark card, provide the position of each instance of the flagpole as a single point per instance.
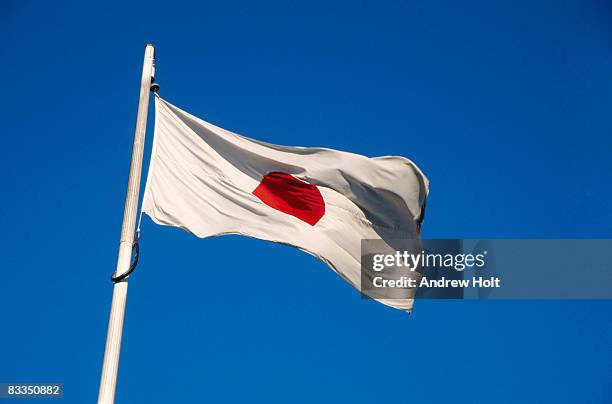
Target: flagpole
(110, 365)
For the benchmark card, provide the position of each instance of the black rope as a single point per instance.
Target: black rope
(135, 253)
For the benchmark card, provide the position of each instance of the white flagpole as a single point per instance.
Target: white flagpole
(110, 366)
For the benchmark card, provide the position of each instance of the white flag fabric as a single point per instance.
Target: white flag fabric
(209, 181)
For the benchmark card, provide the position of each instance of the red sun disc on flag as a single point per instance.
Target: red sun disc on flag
(287, 194)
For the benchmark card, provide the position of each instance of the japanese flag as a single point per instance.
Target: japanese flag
(210, 182)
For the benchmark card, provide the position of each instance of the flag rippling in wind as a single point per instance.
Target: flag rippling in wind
(210, 182)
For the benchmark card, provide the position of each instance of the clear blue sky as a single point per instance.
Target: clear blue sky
(505, 106)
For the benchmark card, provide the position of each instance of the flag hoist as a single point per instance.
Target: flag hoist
(110, 365)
